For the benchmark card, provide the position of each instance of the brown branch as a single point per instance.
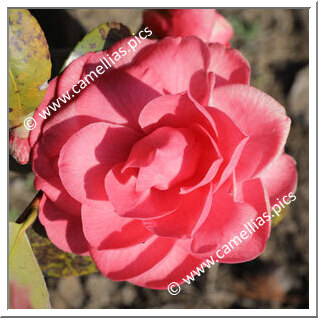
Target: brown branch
(33, 204)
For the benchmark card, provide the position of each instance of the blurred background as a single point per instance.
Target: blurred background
(275, 42)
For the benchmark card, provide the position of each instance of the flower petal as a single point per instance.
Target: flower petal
(117, 97)
(222, 31)
(164, 158)
(125, 263)
(206, 24)
(121, 189)
(229, 65)
(72, 74)
(191, 213)
(177, 110)
(157, 21)
(183, 57)
(48, 180)
(63, 229)
(176, 264)
(104, 229)
(209, 163)
(264, 121)
(120, 54)
(280, 179)
(88, 155)
(196, 22)
(230, 148)
(227, 220)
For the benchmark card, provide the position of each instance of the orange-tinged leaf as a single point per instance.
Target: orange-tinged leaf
(29, 65)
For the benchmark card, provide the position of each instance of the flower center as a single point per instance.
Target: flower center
(164, 158)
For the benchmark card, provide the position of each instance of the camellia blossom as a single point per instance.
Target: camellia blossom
(206, 24)
(19, 296)
(19, 146)
(160, 160)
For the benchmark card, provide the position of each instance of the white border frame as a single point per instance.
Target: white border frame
(312, 163)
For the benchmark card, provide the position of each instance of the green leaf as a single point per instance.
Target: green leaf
(56, 263)
(100, 38)
(277, 218)
(29, 65)
(25, 275)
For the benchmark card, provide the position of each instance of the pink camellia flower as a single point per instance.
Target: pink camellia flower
(206, 24)
(19, 148)
(19, 296)
(160, 160)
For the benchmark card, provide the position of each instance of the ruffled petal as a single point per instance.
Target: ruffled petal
(175, 266)
(280, 179)
(196, 22)
(229, 65)
(264, 121)
(88, 155)
(48, 180)
(158, 21)
(19, 147)
(180, 111)
(72, 74)
(125, 263)
(59, 129)
(191, 213)
(175, 111)
(104, 229)
(222, 31)
(225, 220)
(228, 218)
(63, 229)
(210, 160)
(120, 54)
(164, 158)
(117, 97)
(206, 24)
(230, 148)
(121, 189)
(180, 57)
(201, 86)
